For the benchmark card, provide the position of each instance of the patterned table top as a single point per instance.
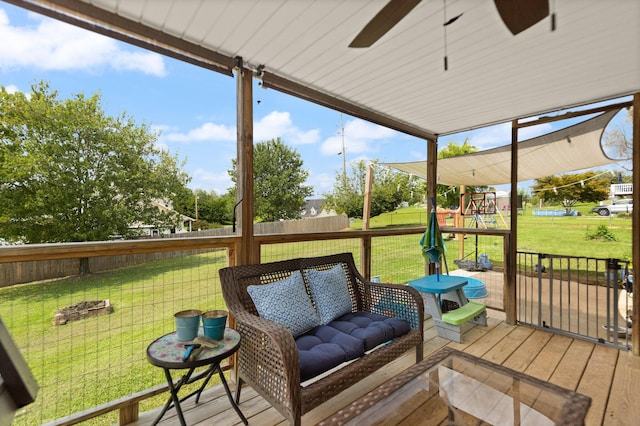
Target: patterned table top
(167, 351)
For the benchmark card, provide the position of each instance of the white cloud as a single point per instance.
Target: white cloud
(54, 45)
(322, 183)
(534, 131)
(275, 124)
(359, 137)
(203, 179)
(417, 155)
(490, 137)
(162, 128)
(12, 89)
(206, 132)
(500, 135)
(279, 124)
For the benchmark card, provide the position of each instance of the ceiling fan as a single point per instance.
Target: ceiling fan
(518, 15)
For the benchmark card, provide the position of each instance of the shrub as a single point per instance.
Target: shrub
(602, 233)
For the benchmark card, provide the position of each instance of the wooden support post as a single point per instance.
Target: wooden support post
(365, 256)
(460, 222)
(247, 252)
(432, 186)
(368, 193)
(510, 294)
(635, 227)
(129, 413)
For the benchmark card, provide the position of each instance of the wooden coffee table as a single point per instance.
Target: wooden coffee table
(457, 388)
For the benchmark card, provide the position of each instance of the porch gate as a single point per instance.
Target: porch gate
(576, 296)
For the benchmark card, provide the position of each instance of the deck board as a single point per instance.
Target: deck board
(597, 380)
(622, 407)
(610, 377)
(572, 365)
(503, 349)
(524, 355)
(544, 365)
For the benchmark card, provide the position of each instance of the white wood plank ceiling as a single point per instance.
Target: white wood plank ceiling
(493, 76)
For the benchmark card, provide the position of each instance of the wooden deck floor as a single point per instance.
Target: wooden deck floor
(610, 377)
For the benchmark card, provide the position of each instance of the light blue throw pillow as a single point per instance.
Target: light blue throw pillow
(329, 292)
(287, 303)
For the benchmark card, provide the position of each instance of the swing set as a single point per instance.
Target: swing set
(483, 211)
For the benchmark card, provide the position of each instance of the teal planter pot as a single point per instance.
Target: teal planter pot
(187, 323)
(214, 323)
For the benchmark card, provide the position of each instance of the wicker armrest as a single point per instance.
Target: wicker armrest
(268, 358)
(268, 337)
(399, 301)
(394, 300)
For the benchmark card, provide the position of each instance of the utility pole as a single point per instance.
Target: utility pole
(344, 156)
(196, 194)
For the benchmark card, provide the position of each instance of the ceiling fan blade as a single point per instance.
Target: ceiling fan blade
(387, 18)
(518, 15)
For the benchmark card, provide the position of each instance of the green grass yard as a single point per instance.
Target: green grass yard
(564, 235)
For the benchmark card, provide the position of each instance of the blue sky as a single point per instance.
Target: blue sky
(195, 109)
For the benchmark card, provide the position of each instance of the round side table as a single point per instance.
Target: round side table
(167, 352)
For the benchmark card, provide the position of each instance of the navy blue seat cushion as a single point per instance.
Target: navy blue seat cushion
(323, 348)
(372, 329)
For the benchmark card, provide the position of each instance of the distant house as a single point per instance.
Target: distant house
(315, 208)
(184, 224)
(621, 190)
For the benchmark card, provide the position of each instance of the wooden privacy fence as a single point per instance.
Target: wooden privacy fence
(318, 224)
(40, 270)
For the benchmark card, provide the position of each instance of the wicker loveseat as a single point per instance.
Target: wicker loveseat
(289, 372)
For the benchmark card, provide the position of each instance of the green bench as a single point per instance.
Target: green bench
(450, 324)
(464, 313)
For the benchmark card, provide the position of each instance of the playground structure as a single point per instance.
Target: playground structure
(477, 210)
(482, 210)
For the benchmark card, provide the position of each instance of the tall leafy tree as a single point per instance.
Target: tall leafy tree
(448, 196)
(390, 189)
(279, 181)
(69, 172)
(212, 208)
(568, 189)
(348, 191)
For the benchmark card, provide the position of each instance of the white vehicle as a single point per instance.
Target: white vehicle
(623, 205)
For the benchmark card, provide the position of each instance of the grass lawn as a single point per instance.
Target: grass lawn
(566, 235)
(89, 362)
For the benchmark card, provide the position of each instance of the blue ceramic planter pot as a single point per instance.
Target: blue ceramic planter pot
(214, 323)
(187, 323)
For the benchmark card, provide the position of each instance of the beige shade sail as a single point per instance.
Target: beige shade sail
(573, 148)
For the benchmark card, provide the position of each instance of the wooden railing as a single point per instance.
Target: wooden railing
(128, 406)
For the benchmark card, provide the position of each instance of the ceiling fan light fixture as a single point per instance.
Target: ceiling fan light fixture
(444, 26)
(518, 15)
(392, 13)
(452, 20)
